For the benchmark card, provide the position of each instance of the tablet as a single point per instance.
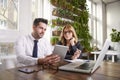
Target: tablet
(60, 50)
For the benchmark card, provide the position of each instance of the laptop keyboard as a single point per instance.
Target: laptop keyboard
(86, 66)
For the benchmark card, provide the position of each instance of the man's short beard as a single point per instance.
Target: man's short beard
(40, 36)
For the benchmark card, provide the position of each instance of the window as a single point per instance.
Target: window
(37, 8)
(41, 8)
(9, 14)
(92, 21)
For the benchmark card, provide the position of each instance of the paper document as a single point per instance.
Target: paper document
(76, 60)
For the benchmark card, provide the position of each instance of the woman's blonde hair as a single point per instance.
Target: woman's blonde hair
(68, 27)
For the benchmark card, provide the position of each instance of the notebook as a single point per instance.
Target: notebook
(85, 66)
(60, 50)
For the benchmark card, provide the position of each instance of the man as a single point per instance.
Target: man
(34, 49)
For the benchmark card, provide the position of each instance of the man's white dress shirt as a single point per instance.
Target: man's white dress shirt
(24, 50)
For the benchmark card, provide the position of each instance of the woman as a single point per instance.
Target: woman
(69, 38)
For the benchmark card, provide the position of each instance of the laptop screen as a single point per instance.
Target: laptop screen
(102, 55)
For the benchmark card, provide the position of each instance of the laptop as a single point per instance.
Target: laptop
(60, 50)
(87, 66)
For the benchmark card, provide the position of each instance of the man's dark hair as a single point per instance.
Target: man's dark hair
(37, 20)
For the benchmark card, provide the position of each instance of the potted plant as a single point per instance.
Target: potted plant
(56, 33)
(54, 40)
(115, 35)
(115, 38)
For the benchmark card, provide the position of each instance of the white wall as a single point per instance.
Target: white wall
(47, 15)
(113, 17)
(25, 16)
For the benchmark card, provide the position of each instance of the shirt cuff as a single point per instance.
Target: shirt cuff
(35, 61)
(68, 57)
(74, 48)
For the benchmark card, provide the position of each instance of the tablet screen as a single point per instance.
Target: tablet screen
(60, 50)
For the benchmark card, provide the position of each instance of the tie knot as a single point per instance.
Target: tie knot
(35, 41)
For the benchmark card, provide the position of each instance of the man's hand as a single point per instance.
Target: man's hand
(50, 59)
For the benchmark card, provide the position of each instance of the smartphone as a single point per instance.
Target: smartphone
(26, 70)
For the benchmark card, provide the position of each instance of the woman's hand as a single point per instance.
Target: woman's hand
(76, 54)
(72, 41)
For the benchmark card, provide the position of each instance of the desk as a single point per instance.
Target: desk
(107, 71)
(110, 52)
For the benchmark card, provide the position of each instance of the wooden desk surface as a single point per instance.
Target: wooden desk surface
(107, 71)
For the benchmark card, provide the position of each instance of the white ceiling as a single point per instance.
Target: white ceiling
(105, 1)
(110, 1)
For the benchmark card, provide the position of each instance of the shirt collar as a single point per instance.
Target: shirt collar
(33, 37)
